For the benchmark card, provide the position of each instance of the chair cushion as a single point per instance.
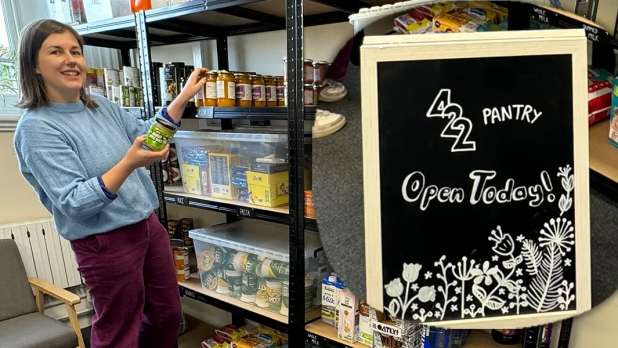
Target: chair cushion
(15, 292)
(35, 330)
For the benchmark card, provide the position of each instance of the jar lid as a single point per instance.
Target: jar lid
(167, 124)
(307, 60)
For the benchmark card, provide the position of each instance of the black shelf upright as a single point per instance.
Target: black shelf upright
(296, 131)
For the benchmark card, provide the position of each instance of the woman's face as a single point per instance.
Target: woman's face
(62, 66)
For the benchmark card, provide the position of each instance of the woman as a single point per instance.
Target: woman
(83, 156)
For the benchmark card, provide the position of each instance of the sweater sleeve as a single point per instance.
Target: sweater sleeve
(47, 156)
(136, 126)
(133, 125)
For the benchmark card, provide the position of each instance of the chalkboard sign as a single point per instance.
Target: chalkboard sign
(475, 177)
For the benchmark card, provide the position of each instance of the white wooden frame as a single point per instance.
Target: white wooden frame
(476, 45)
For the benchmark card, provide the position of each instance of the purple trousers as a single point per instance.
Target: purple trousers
(131, 277)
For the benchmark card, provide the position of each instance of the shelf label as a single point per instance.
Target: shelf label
(181, 200)
(205, 112)
(246, 212)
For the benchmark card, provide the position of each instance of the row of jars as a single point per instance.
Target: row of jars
(224, 88)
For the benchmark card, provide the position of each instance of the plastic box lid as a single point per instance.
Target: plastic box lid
(256, 237)
(233, 136)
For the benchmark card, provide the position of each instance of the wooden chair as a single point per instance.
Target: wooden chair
(22, 322)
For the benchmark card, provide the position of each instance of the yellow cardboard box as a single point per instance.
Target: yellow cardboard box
(269, 190)
(191, 178)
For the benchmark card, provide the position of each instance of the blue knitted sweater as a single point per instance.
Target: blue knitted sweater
(64, 148)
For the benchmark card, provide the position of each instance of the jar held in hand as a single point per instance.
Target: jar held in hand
(159, 135)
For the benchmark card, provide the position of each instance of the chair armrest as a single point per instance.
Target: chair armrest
(55, 292)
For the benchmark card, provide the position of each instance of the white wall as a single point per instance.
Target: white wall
(262, 52)
(20, 202)
(175, 53)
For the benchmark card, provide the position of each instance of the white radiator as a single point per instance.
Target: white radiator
(45, 254)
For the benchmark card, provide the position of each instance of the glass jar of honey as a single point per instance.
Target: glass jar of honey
(320, 68)
(258, 91)
(243, 90)
(271, 90)
(226, 89)
(198, 99)
(308, 70)
(280, 90)
(210, 89)
(309, 94)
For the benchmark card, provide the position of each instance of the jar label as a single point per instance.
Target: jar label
(258, 93)
(280, 93)
(309, 97)
(221, 89)
(271, 93)
(211, 90)
(231, 90)
(243, 91)
(157, 137)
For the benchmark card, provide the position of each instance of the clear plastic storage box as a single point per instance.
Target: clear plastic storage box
(249, 260)
(247, 167)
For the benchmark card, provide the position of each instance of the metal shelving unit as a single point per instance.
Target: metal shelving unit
(217, 20)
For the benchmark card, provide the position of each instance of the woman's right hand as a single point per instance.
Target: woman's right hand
(137, 156)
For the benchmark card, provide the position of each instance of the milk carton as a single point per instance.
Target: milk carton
(331, 289)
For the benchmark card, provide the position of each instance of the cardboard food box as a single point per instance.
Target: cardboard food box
(98, 10)
(268, 189)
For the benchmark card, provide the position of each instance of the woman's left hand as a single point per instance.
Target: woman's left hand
(196, 81)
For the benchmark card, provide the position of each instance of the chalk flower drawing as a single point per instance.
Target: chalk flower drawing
(566, 201)
(469, 288)
(559, 232)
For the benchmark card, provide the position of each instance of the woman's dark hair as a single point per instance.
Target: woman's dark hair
(32, 86)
